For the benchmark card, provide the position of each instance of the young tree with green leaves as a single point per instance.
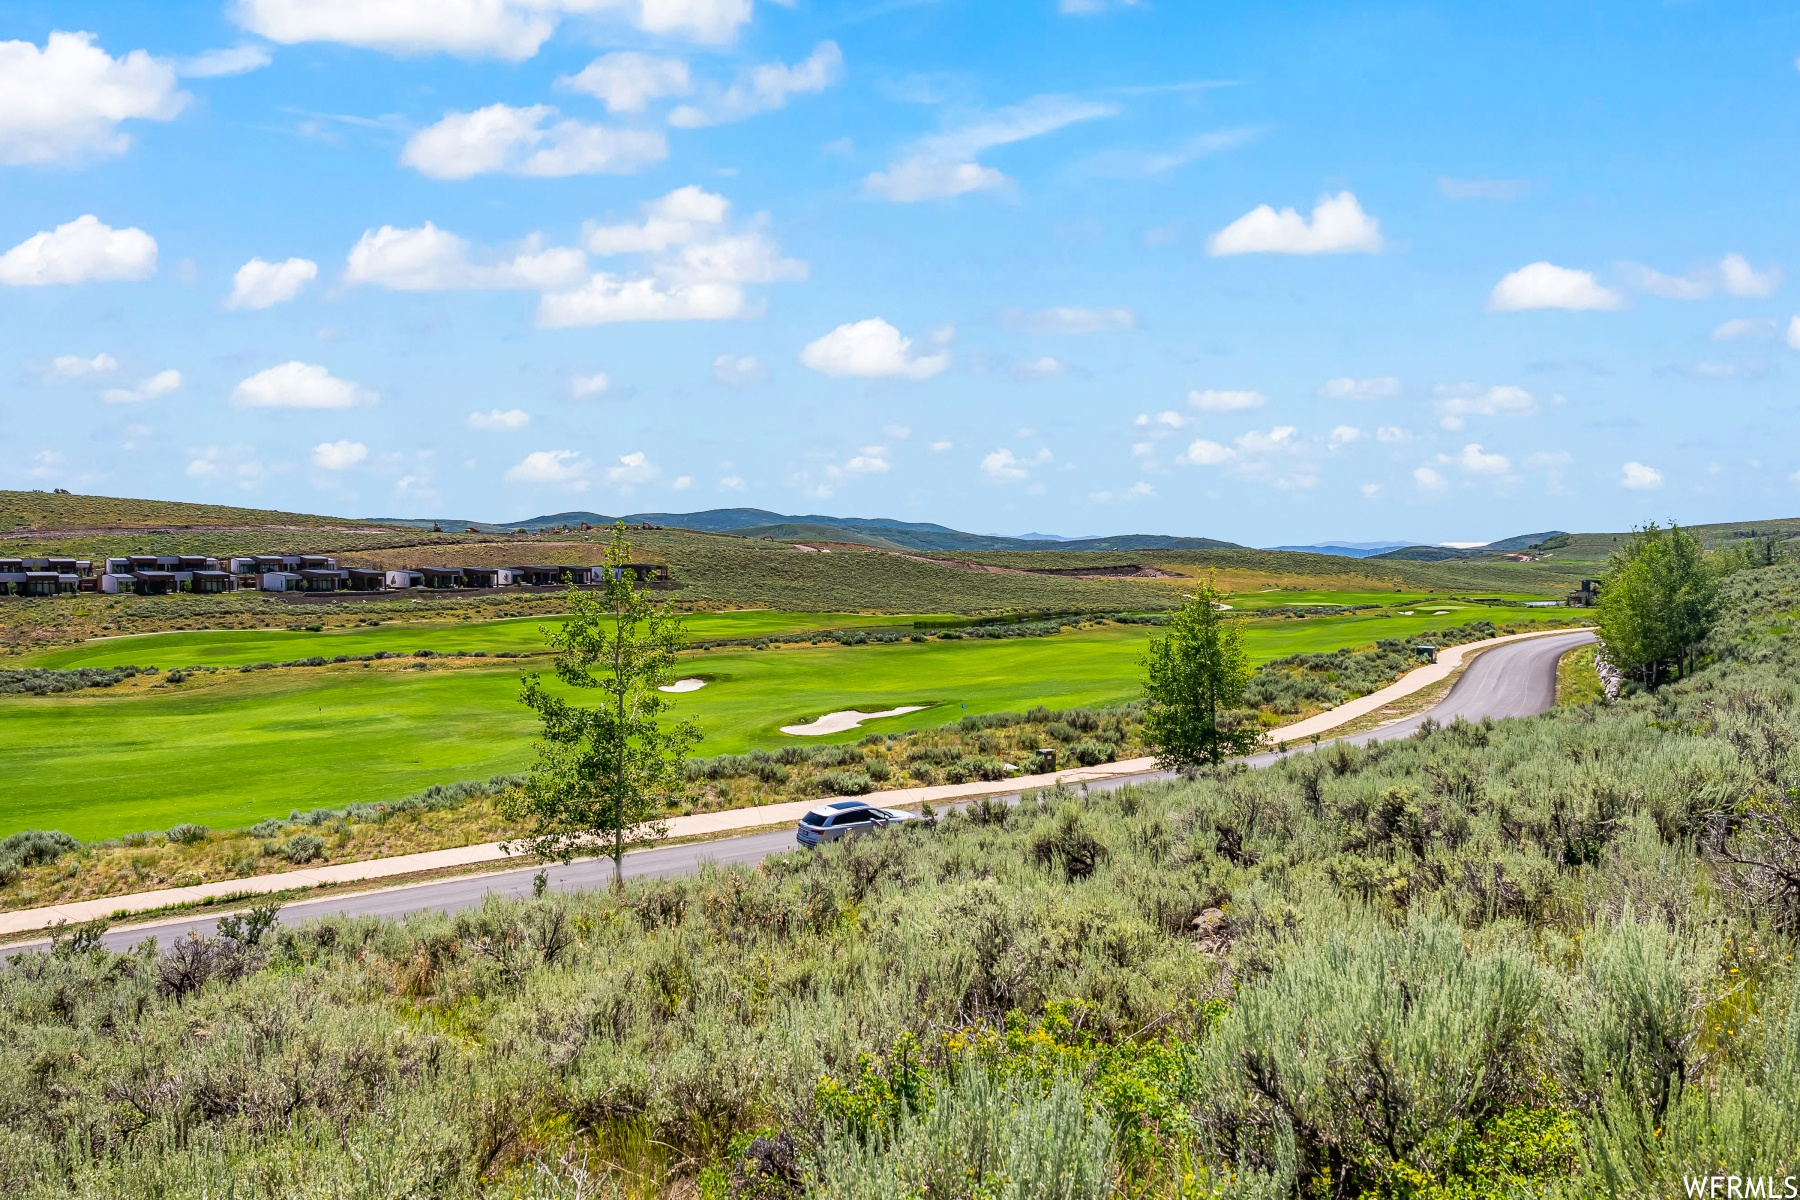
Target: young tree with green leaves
(1658, 601)
(605, 774)
(1195, 676)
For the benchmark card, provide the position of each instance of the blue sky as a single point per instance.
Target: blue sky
(1266, 273)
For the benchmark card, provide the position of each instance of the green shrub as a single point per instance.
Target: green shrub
(845, 783)
(187, 834)
(1090, 752)
(303, 848)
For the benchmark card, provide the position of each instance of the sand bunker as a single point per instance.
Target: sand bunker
(684, 685)
(837, 722)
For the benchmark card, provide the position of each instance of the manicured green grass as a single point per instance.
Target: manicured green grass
(1279, 597)
(231, 648)
(229, 749)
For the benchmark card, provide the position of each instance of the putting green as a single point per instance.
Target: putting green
(231, 748)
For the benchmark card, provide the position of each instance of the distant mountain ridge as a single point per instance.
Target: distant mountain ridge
(1523, 541)
(879, 532)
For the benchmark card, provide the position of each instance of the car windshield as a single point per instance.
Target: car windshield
(813, 819)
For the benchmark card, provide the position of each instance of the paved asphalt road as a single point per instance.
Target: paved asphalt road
(1514, 680)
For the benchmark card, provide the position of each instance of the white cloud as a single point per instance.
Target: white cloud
(942, 447)
(1039, 368)
(227, 464)
(684, 215)
(1638, 477)
(1429, 480)
(1069, 320)
(159, 384)
(299, 385)
(871, 349)
(738, 370)
(1741, 279)
(515, 141)
(73, 366)
(1280, 438)
(1371, 490)
(1545, 285)
(605, 299)
(430, 259)
(1744, 327)
(1380, 388)
(62, 105)
(1343, 435)
(82, 251)
(1122, 163)
(943, 165)
(1669, 287)
(701, 280)
(1476, 462)
(555, 468)
(1482, 189)
(682, 483)
(1339, 226)
(1003, 466)
(1211, 401)
(260, 284)
(1392, 435)
(898, 432)
(633, 469)
(1459, 400)
(1793, 334)
(764, 88)
(626, 79)
(508, 29)
(340, 455)
(583, 386)
(1169, 418)
(214, 64)
(496, 419)
(732, 483)
(1204, 453)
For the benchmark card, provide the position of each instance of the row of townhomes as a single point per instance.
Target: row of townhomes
(164, 574)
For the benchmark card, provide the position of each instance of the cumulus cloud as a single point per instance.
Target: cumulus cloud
(1039, 368)
(1069, 320)
(1392, 435)
(1456, 401)
(583, 386)
(764, 88)
(1744, 327)
(496, 419)
(1205, 453)
(1343, 435)
(738, 370)
(238, 465)
(517, 141)
(696, 270)
(299, 385)
(260, 284)
(1793, 334)
(1638, 477)
(871, 349)
(563, 469)
(1741, 279)
(62, 105)
(1003, 466)
(1381, 387)
(1169, 418)
(942, 447)
(1429, 480)
(340, 455)
(73, 366)
(626, 80)
(1211, 401)
(429, 259)
(506, 29)
(1477, 462)
(83, 251)
(632, 469)
(944, 165)
(1546, 285)
(159, 384)
(1338, 226)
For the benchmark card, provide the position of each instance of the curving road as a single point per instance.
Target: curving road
(1514, 680)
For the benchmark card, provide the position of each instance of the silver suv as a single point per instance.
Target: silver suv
(841, 818)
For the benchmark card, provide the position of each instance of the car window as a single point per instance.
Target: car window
(812, 819)
(851, 817)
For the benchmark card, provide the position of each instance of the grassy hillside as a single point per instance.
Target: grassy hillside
(21, 511)
(1593, 548)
